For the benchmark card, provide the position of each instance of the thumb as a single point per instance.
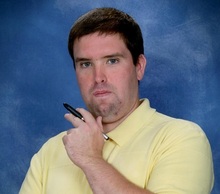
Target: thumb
(99, 122)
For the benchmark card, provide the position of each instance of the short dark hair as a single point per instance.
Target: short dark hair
(108, 21)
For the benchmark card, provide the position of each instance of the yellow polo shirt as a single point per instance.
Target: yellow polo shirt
(154, 151)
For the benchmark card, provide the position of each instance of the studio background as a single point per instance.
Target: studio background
(182, 45)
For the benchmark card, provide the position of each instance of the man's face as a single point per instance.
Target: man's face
(107, 77)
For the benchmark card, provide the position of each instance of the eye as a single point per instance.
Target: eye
(85, 64)
(113, 61)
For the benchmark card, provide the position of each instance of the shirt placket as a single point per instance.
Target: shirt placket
(108, 149)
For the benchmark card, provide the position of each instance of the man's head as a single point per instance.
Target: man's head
(107, 49)
(109, 21)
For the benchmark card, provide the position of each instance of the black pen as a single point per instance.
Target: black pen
(77, 114)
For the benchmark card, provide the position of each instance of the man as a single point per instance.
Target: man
(147, 152)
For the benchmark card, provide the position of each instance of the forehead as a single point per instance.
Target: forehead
(98, 43)
(100, 35)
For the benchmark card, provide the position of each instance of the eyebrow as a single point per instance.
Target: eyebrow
(78, 59)
(114, 55)
(81, 59)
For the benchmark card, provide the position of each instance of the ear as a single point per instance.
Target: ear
(140, 66)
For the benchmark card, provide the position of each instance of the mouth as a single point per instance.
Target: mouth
(101, 93)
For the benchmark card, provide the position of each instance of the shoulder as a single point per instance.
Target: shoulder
(52, 145)
(181, 133)
(55, 140)
(181, 151)
(173, 125)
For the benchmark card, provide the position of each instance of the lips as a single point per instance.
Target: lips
(101, 93)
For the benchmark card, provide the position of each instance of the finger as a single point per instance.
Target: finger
(75, 121)
(99, 122)
(70, 131)
(88, 117)
(64, 140)
(95, 124)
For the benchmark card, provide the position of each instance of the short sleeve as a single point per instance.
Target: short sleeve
(182, 161)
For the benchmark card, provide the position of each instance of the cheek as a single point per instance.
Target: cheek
(123, 81)
(83, 82)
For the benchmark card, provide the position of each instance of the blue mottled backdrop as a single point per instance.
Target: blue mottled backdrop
(182, 45)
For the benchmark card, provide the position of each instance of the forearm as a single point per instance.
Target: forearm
(104, 178)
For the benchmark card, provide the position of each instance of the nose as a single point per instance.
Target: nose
(100, 74)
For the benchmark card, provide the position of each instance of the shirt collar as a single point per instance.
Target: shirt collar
(126, 130)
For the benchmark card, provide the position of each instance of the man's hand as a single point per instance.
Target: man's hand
(84, 143)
